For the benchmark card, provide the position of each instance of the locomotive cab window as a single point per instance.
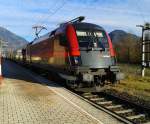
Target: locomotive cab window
(62, 40)
(89, 38)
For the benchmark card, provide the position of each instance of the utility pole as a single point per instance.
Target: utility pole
(145, 46)
(3, 47)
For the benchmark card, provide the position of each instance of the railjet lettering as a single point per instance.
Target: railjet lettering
(82, 33)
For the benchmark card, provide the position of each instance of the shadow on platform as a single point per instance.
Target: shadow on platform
(12, 70)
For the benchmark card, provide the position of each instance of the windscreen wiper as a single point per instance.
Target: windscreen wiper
(98, 42)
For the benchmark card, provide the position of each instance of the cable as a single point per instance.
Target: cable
(52, 13)
(39, 20)
(57, 9)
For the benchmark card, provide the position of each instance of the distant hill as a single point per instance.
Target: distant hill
(120, 35)
(127, 46)
(14, 41)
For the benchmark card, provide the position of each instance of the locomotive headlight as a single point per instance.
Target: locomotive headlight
(77, 60)
(95, 45)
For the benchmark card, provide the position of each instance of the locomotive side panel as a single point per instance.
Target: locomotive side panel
(60, 54)
(48, 54)
(42, 51)
(28, 56)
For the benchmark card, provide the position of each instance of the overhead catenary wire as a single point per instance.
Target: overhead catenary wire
(40, 23)
(54, 12)
(42, 16)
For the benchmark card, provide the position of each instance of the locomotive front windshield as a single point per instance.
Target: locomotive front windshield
(96, 39)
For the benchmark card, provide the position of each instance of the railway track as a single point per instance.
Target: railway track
(123, 110)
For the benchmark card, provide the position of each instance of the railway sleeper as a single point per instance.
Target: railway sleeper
(115, 107)
(140, 119)
(127, 113)
(124, 111)
(104, 103)
(97, 99)
(86, 94)
(139, 116)
(90, 96)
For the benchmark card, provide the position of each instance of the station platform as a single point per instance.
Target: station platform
(27, 98)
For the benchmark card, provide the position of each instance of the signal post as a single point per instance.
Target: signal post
(145, 47)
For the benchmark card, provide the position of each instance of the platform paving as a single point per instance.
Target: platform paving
(35, 100)
(30, 103)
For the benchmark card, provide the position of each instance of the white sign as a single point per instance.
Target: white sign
(83, 33)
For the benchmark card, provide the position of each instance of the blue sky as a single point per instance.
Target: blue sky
(19, 16)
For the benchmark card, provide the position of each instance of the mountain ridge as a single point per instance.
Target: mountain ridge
(14, 41)
(120, 35)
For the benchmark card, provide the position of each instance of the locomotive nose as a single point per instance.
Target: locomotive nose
(96, 59)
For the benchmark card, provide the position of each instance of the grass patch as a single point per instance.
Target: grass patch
(133, 84)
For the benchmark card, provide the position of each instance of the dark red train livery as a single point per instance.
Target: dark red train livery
(81, 53)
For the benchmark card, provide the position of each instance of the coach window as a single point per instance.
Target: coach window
(62, 40)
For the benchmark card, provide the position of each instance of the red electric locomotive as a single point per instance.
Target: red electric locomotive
(79, 52)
